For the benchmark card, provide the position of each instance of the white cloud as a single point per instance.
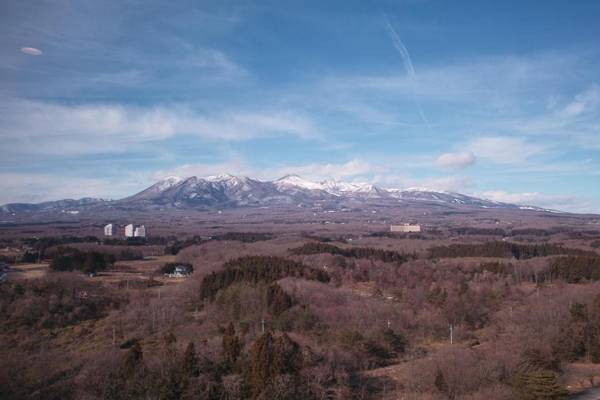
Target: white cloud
(586, 101)
(35, 187)
(314, 171)
(319, 171)
(563, 203)
(32, 51)
(93, 128)
(504, 149)
(456, 160)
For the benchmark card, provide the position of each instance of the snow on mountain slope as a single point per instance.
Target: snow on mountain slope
(226, 191)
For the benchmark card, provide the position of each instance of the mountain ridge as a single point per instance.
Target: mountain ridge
(230, 191)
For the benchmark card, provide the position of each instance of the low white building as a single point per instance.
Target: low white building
(109, 230)
(180, 271)
(405, 228)
(129, 230)
(140, 231)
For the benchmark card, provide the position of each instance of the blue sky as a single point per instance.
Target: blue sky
(495, 99)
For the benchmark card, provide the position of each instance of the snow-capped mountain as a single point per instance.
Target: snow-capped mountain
(228, 191)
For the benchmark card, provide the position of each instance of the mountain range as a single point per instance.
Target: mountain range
(228, 191)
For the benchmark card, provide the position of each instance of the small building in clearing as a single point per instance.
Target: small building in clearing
(180, 271)
(405, 228)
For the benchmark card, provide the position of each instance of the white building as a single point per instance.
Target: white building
(405, 228)
(109, 230)
(129, 230)
(140, 231)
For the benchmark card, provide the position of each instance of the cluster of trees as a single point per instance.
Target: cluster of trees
(502, 249)
(246, 237)
(352, 252)
(256, 269)
(39, 246)
(70, 259)
(536, 377)
(471, 230)
(400, 235)
(176, 246)
(54, 302)
(49, 241)
(273, 367)
(575, 269)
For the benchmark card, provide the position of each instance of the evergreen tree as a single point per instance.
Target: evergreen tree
(270, 357)
(440, 382)
(190, 361)
(535, 379)
(542, 385)
(133, 360)
(278, 301)
(232, 346)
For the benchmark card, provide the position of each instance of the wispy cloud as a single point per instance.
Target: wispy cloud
(349, 170)
(556, 202)
(456, 160)
(92, 128)
(504, 149)
(38, 187)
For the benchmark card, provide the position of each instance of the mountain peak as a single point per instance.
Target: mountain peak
(295, 180)
(220, 177)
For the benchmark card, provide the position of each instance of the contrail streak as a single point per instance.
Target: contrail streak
(397, 42)
(408, 65)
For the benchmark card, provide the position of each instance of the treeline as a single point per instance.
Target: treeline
(70, 259)
(469, 230)
(39, 246)
(352, 252)
(504, 250)
(257, 269)
(49, 241)
(576, 269)
(400, 235)
(54, 302)
(176, 246)
(138, 241)
(246, 237)
(273, 367)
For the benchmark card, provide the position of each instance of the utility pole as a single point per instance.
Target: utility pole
(451, 334)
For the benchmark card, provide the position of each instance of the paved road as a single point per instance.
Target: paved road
(593, 394)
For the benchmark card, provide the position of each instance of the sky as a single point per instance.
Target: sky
(497, 99)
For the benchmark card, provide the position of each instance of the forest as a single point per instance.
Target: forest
(292, 317)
